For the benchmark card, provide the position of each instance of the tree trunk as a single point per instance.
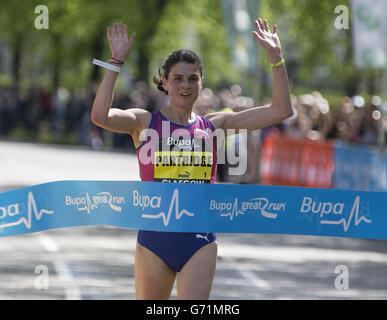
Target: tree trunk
(57, 59)
(97, 51)
(16, 59)
(351, 84)
(143, 64)
(149, 29)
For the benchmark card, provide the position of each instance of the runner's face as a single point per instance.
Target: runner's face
(184, 84)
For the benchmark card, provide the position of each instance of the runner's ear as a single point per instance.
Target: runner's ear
(165, 82)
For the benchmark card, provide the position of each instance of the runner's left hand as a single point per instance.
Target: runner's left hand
(267, 39)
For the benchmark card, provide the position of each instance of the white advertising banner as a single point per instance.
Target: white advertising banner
(239, 15)
(369, 33)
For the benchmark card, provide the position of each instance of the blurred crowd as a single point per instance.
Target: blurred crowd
(354, 121)
(37, 111)
(64, 115)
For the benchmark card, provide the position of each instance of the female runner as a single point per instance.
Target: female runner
(191, 257)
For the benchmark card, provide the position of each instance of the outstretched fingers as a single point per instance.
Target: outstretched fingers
(257, 36)
(125, 31)
(109, 33)
(118, 31)
(119, 43)
(260, 23)
(266, 25)
(259, 28)
(115, 28)
(263, 26)
(132, 39)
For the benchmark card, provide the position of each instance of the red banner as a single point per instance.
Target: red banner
(297, 162)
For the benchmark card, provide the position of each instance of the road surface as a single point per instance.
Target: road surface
(98, 262)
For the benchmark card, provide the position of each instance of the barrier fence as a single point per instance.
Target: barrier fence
(323, 164)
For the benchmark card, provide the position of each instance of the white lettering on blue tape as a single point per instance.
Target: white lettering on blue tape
(178, 207)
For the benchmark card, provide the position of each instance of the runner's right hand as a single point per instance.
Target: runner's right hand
(118, 41)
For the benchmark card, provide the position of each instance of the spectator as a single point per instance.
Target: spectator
(67, 113)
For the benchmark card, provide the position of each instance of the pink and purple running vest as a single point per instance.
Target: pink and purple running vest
(178, 153)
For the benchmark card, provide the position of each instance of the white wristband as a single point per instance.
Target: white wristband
(106, 65)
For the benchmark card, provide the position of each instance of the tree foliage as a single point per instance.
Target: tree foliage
(315, 51)
(77, 33)
(320, 54)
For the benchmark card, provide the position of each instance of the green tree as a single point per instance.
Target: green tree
(198, 26)
(317, 53)
(62, 54)
(16, 22)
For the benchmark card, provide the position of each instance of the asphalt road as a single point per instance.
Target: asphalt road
(98, 262)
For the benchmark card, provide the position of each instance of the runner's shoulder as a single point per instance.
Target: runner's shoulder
(142, 116)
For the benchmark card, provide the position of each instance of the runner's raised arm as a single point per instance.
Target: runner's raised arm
(130, 121)
(281, 107)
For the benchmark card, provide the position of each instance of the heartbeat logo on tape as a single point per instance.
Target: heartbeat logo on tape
(14, 210)
(328, 209)
(347, 223)
(154, 202)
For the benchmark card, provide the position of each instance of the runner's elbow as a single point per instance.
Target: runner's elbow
(97, 119)
(286, 114)
(290, 113)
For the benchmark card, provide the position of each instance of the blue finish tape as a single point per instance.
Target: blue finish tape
(178, 207)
